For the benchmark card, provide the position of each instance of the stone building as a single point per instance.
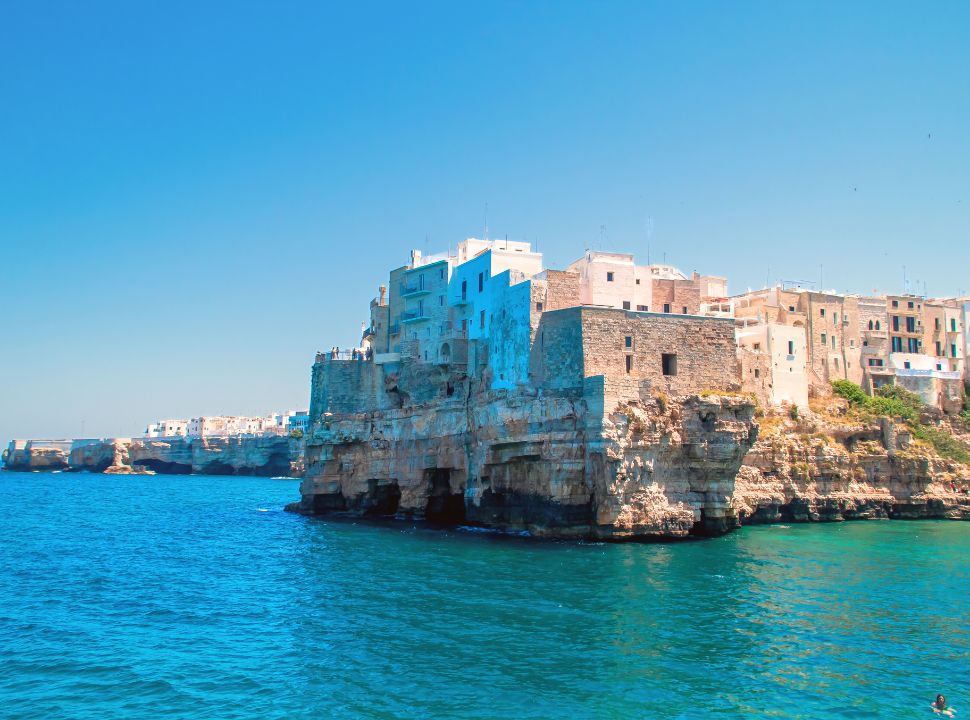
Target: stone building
(773, 360)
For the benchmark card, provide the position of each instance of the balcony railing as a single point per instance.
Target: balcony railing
(412, 290)
(413, 316)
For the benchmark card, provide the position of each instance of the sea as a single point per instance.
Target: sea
(199, 597)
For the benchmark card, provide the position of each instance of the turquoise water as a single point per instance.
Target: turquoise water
(180, 597)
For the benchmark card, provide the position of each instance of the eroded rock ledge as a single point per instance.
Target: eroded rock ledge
(825, 468)
(611, 462)
(245, 455)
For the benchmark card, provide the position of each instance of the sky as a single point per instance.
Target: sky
(195, 197)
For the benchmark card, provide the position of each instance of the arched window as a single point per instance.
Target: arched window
(870, 324)
(877, 324)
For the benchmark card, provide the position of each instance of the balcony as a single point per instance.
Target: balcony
(413, 290)
(413, 317)
(368, 332)
(460, 299)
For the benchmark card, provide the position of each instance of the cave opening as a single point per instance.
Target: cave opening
(444, 506)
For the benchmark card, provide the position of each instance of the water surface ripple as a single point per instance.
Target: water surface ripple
(197, 597)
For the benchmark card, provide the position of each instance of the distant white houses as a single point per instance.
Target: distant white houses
(275, 423)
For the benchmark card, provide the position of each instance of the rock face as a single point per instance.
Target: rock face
(241, 455)
(29, 455)
(823, 470)
(612, 462)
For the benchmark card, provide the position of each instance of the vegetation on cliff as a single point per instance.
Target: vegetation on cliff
(897, 403)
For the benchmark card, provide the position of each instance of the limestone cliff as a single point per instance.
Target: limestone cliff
(830, 466)
(611, 462)
(239, 455)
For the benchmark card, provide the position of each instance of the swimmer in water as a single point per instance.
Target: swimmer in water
(940, 707)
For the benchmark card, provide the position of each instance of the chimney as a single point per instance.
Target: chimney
(382, 294)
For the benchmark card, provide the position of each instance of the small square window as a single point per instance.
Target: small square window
(626, 304)
(538, 307)
(638, 281)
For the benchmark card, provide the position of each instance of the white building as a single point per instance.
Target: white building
(774, 361)
(167, 428)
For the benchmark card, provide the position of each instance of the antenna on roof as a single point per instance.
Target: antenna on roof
(649, 236)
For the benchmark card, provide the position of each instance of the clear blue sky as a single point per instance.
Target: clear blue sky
(194, 197)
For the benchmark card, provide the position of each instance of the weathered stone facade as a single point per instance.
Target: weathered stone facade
(582, 449)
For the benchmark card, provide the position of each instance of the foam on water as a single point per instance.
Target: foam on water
(122, 596)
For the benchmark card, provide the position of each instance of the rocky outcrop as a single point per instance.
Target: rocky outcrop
(822, 468)
(611, 462)
(30, 455)
(240, 455)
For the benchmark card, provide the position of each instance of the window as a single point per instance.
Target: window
(464, 325)
(441, 300)
(628, 341)
(897, 344)
(939, 366)
(441, 274)
(666, 307)
(481, 281)
(877, 324)
(825, 339)
(875, 362)
(835, 318)
(896, 323)
(626, 304)
(822, 311)
(638, 281)
(642, 308)
(609, 277)
(757, 373)
(791, 347)
(910, 304)
(464, 289)
(538, 307)
(833, 342)
(912, 345)
(481, 319)
(953, 324)
(851, 343)
(757, 346)
(937, 323)
(791, 308)
(907, 365)
(629, 363)
(835, 361)
(953, 350)
(939, 348)
(895, 303)
(911, 324)
(684, 311)
(668, 362)
(870, 324)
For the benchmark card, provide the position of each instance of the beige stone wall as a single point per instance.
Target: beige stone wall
(704, 349)
(562, 290)
(678, 294)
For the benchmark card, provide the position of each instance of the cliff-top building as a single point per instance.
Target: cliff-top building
(491, 390)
